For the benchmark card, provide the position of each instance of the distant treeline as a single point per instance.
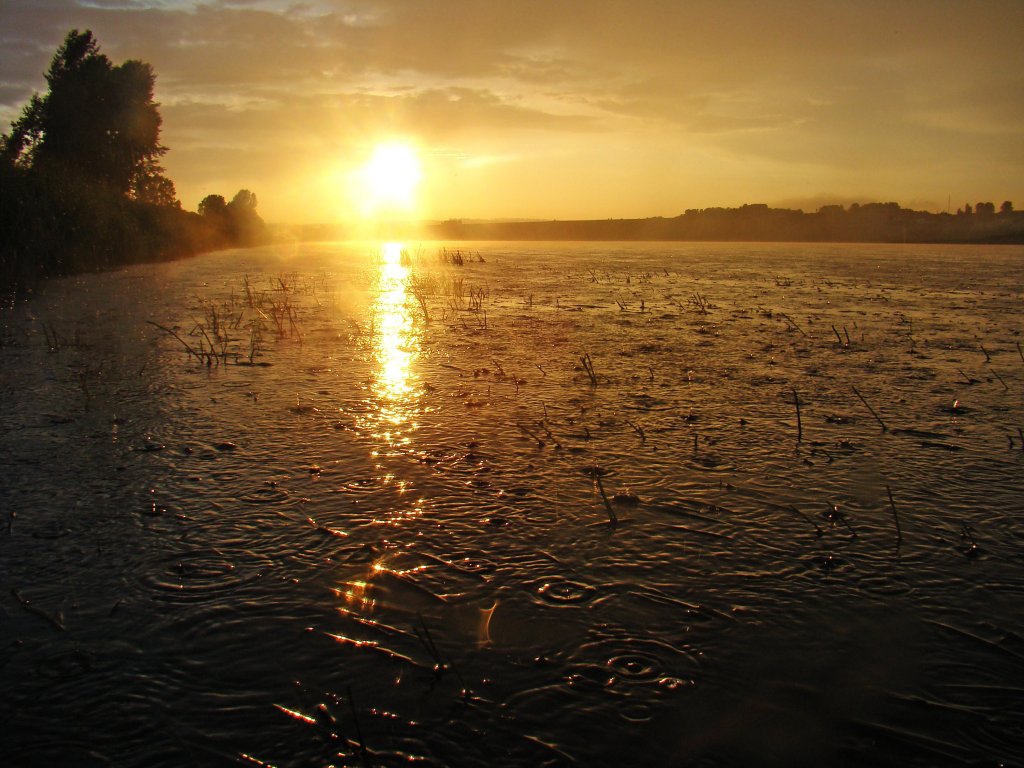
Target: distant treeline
(81, 187)
(872, 222)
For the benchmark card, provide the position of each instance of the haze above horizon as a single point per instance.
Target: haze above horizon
(572, 110)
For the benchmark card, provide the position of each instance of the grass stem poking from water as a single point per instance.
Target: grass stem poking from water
(441, 664)
(212, 354)
(988, 357)
(996, 374)
(835, 513)
(253, 341)
(838, 337)
(421, 296)
(895, 517)
(183, 342)
(868, 406)
(638, 430)
(550, 434)
(588, 366)
(364, 757)
(250, 297)
(613, 519)
(790, 320)
(799, 423)
(1020, 352)
(817, 528)
(428, 643)
(967, 378)
(526, 430)
(1021, 433)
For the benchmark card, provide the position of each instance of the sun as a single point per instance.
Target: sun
(389, 179)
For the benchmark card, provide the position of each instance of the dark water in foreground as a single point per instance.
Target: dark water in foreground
(366, 538)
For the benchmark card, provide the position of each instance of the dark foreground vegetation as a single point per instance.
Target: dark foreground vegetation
(873, 222)
(81, 185)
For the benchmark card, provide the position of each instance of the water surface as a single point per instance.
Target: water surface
(345, 504)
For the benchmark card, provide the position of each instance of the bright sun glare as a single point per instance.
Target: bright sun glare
(390, 178)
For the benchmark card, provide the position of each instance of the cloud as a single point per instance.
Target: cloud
(804, 93)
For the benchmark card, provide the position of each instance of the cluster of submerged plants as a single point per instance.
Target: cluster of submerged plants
(235, 330)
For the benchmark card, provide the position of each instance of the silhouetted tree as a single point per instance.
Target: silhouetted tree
(245, 227)
(97, 121)
(1006, 207)
(244, 200)
(236, 222)
(985, 209)
(212, 206)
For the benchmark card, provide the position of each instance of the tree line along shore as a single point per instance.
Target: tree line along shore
(81, 184)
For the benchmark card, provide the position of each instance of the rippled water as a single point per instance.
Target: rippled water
(373, 530)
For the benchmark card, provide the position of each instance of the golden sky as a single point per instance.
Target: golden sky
(563, 108)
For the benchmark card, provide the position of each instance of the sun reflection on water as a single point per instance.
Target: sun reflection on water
(396, 346)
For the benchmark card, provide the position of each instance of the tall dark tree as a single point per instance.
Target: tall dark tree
(97, 122)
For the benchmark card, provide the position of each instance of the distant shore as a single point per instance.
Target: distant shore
(873, 222)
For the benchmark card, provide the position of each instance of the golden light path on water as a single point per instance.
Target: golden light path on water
(395, 404)
(396, 347)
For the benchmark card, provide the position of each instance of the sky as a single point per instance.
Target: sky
(562, 109)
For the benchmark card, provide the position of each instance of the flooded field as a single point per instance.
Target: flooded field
(517, 505)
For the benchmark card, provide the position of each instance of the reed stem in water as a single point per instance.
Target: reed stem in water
(895, 517)
(868, 406)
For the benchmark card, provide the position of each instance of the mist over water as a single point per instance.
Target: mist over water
(363, 520)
